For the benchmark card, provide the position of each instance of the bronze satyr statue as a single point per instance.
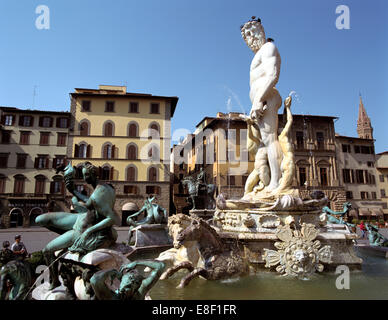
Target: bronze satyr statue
(155, 214)
(133, 285)
(90, 228)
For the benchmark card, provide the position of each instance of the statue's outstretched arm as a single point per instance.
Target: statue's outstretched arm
(137, 213)
(68, 176)
(110, 219)
(157, 270)
(99, 286)
(287, 127)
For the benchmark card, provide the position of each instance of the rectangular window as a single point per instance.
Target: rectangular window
(61, 141)
(232, 180)
(46, 122)
(154, 108)
(4, 160)
(44, 138)
(152, 190)
(24, 137)
(320, 140)
(366, 150)
(133, 107)
(62, 122)
(5, 136)
(25, 121)
(371, 177)
(382, 192)
(381, 178)
(130, 189)
(58, 161)
(346, 148)
(374, 195)
(323, 174)
(9, 119)
(302, 176)
(109, 106)
(370, 164)
(42, 162)
(85, 106)
(346, 175)
(299, 140)
(21, 161)
(364, 195)
(356, 149)
(349, 195)
(360, 176)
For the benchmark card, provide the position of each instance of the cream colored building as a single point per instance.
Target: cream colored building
(33, 144)
(128, 136)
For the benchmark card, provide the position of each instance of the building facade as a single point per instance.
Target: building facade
(128, 136)
(382, 180)
(33, 143)
(357, 163)
(219, 146)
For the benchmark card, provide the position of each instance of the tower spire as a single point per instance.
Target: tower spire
(364, 126)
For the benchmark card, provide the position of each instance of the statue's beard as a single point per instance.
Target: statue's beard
(256, 42)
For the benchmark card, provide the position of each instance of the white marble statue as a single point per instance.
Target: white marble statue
(266, 101)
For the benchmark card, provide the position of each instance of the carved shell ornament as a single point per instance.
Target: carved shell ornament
(298, 254)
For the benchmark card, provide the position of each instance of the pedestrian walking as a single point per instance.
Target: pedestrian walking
(18, 247)
(363, 229)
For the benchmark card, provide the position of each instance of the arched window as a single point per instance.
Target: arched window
(57, 185)
(132, 152)
(84, 128)
(108, 151)
(19, 184)
(153, 130)
(153, 153)
(131, 173)
(132, 130)
(108, 129)
(152, 174)
(105, 173)
(40, 182)
(82, 150)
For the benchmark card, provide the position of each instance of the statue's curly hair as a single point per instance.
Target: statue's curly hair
(90, 167)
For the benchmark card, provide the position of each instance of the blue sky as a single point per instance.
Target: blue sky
(194, 50)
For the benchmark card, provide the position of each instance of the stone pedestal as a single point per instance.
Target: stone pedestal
(381, 252)
(151, 235)
(205, 214)
(256, 231)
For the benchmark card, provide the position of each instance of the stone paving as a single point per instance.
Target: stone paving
(36, 238)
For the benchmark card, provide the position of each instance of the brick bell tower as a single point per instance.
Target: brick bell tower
(364, 126)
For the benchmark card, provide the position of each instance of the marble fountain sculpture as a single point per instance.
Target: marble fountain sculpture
(271, 209)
